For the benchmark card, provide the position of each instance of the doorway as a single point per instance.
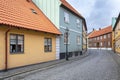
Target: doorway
(98, 45)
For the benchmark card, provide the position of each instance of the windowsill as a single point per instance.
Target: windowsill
(78, 44)
(47, 51)
(16, 52)
(66, 22)
(65, 43)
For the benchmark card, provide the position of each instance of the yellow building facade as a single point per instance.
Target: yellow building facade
(116, 36)
(84, 35)
(33, 48)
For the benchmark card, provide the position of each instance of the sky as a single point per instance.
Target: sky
(98, 13)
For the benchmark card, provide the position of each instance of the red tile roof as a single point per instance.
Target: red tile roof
(67, 5)
(18, 13)
(101, 32)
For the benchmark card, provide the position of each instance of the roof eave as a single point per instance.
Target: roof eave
(62, 5)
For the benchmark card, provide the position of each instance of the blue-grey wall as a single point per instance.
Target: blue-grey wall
(73, 33)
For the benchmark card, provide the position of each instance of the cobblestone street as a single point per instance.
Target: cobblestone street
(99, 65)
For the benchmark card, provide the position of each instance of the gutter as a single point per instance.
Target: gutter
(6, 48)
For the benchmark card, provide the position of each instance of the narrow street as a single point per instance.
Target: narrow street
(99, 65)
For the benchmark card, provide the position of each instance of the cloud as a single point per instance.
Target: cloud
(83, 6)
(98, 13)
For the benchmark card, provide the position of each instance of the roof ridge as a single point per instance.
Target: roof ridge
(105, 30)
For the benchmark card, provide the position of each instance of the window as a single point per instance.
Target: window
(65, 38)
(108, 35)
(78, 39)
(16, 43)
(66, 17)
(101, 43)
(48, 45)
(104, 36)
(94, 38)
(94, 44)
(78, 22)
(100, 37)
(97, 38)
(33, 11)
(105, 45)
(108, 43)
(89, 40)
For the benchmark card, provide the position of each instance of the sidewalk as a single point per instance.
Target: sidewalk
(36, 67)
(116, 57)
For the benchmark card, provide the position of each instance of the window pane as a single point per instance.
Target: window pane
(13, 42)
(20, 42)
(20, 37)
(49, 41)
(45, 42)
(12, 48)
(13, 37)
(66, 17)
(78, 39)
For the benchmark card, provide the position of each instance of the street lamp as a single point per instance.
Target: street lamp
(66, 38)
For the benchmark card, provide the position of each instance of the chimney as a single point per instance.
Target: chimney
(99, 28)
(93, 29)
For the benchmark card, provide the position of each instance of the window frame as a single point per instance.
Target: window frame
(104, 36)
(78, 22)
(48, 45)
(101, 37)
(16, 52)
(78, 40)
(66, 39)
(109, 43)
(66, 17)
(108, 35)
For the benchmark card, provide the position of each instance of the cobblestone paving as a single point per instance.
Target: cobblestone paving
(99, 65)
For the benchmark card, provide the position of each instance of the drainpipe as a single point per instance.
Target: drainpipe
(6, 49)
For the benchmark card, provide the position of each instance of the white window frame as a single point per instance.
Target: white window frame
(101, 44)
(78, 22)
(104, 36)
(108, 43)
(66, 17)
(78, 40)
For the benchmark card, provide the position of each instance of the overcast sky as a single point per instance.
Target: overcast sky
(98, 13)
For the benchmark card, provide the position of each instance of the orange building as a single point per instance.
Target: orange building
(26, 35)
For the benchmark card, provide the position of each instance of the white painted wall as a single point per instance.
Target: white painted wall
(57, 47)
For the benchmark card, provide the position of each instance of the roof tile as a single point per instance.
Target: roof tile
(18, 13)
(101, 32)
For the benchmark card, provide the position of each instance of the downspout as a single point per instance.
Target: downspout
(6, 49)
